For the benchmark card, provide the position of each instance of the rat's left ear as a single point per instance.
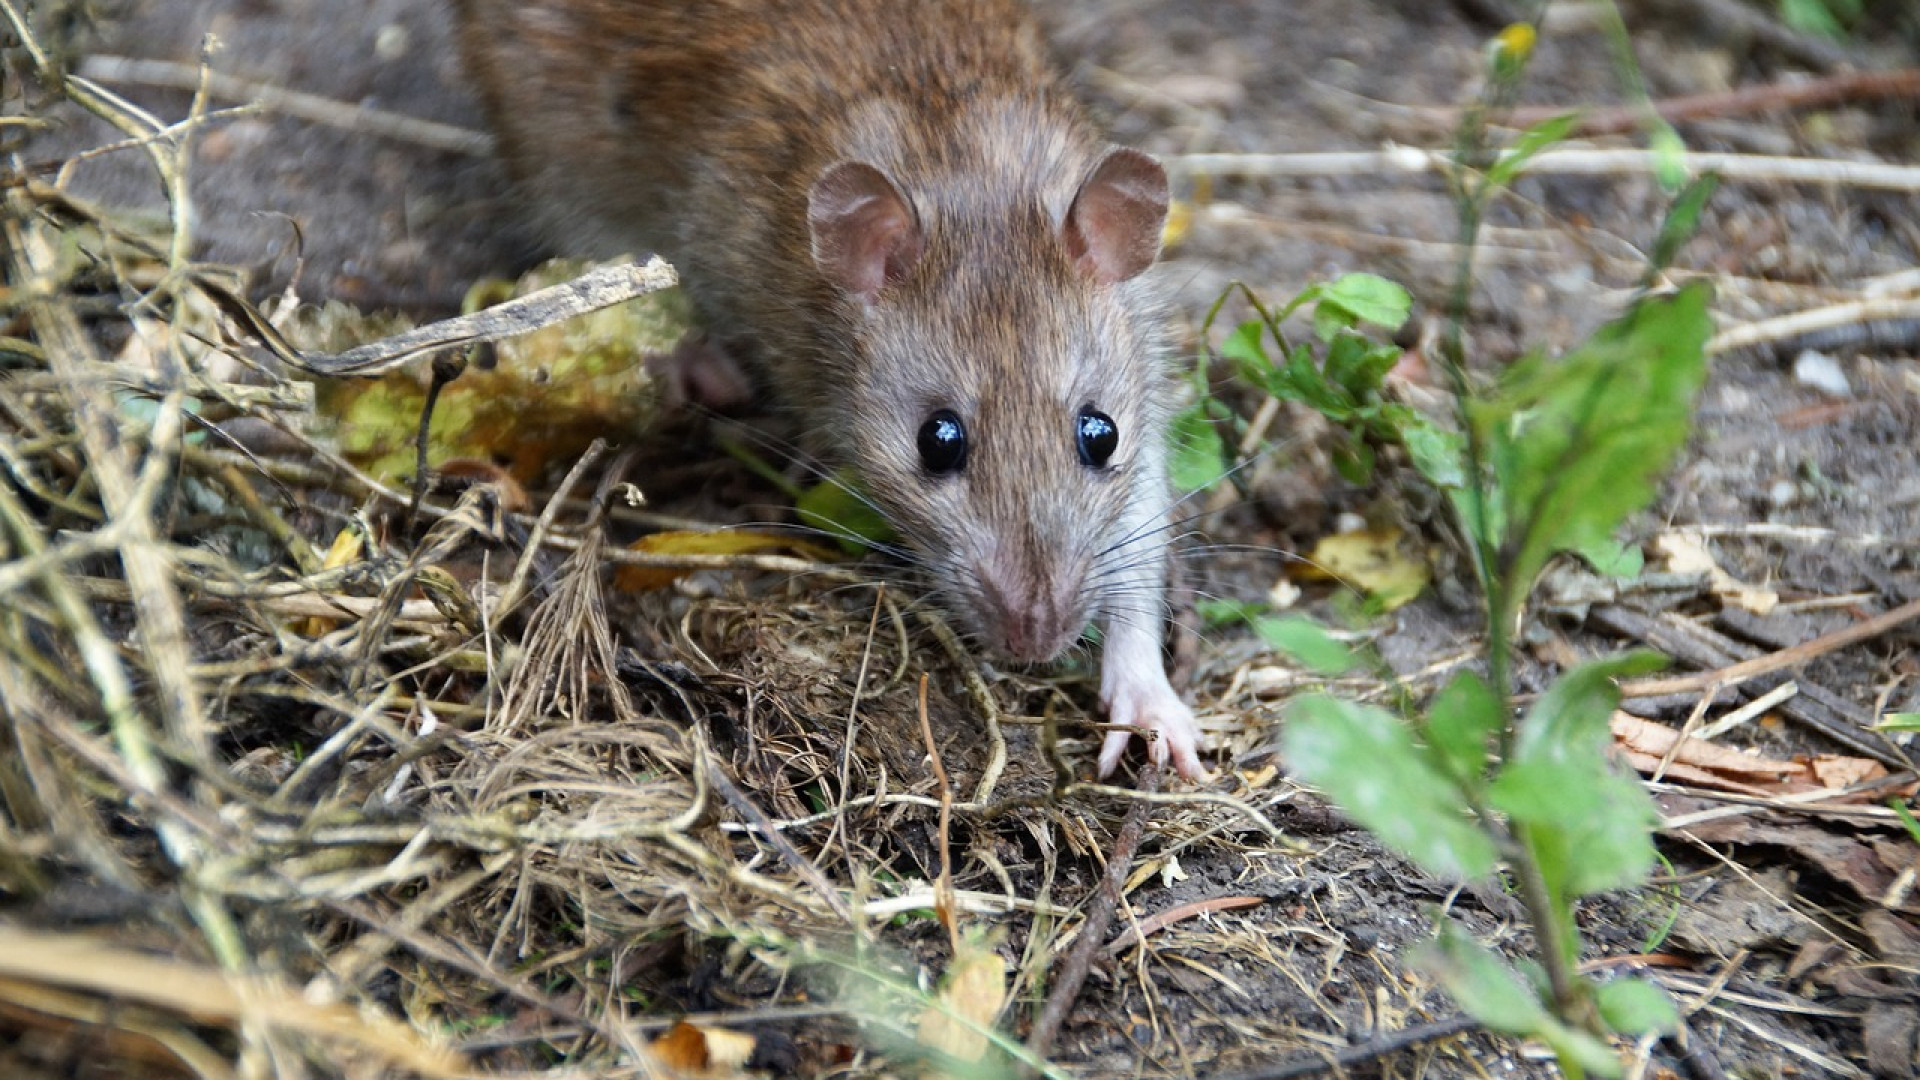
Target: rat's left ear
(1113, 227)
(864, 232)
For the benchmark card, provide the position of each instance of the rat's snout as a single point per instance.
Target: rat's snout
(1030, 618)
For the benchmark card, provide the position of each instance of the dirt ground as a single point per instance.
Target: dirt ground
(1789, 932)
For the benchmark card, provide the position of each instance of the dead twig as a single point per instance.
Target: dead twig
(1139, 932)
(1895, 310)
(311, 107)
(1841, 88)
(1735, 674)
(1093, 929)
(982, 700)
(1813, 706)
(1560, 160)
(763, 828)
(596, 289)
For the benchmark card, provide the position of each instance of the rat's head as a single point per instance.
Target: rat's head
(1002, 399)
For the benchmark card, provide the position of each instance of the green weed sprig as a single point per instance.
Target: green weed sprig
(1547, 461)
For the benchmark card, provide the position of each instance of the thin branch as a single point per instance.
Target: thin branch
(1566, 161)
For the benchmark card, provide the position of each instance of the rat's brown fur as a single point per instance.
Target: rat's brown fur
(999, 277)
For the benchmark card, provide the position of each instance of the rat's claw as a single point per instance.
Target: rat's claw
(1148, 702)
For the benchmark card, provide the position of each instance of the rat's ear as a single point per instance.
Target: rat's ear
(865, 236)
(1113, 227)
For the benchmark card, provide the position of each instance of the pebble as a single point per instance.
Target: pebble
(1822, 372)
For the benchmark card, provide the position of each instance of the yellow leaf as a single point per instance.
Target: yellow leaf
(348, 545)
(683, 1048)
(1373, 560)
(690, 542)
(975, 988)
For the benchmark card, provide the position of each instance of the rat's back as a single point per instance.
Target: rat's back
(623, 121)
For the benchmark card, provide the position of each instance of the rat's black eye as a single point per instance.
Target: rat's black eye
(1097, 436)
(943, 443)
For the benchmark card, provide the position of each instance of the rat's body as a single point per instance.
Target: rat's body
(897, 216)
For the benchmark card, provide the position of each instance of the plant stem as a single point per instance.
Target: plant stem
(1552, 930)
(1493, 558)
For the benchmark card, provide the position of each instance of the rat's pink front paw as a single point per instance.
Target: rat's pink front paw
(1145, 700)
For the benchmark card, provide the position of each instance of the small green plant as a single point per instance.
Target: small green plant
(1547, 461)
(1341, 375)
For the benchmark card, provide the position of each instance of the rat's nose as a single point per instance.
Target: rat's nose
(1030, 622)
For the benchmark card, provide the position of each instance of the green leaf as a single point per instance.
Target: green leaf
(1464, 715)
(837, 505)
(1906, 818)
(1359, 365)
(1635, 1007)
(1366, 759)
(1437, 453)
(1527, 146)
(1589, 828)
(1245, 344)
(1346, 354)
(1486, 988)
(1571, 722)
(1198, 455)
(1898, 721)
(1576, 444)
(1331, 320)
(1614, 559)
(1214, 611)
(1489, 991)
(1302, 380)
(1246, 349)
(1307, 642)
(1370, 298)
(1353, 460)
(1818, 16)
(1681, 222)
(1669, 156)
(1573, 1045)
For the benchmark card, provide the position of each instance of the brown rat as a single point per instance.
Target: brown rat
(897, 216)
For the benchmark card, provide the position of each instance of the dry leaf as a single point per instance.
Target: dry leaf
(697, 1048)
(348, 546)
(511, 492)
(1637, 735)
(1838, 771)
(1687, 553)
(683, 1048)
(1375, 561)
(1709, 764)
(975, 988)
(690, 542)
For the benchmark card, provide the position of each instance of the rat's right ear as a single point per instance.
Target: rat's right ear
(865, 235)
(1113, 228)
